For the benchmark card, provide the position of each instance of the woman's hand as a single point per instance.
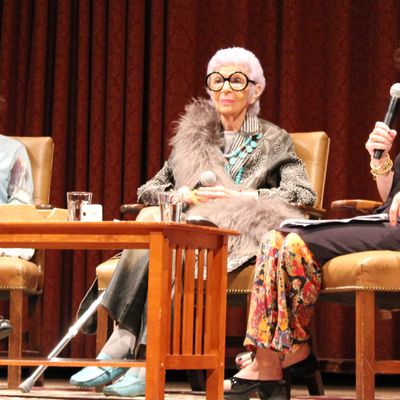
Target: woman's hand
(215, 192)
(221, 192)
(188, 195)
(381, 138)
(204, 194)
(394, 211)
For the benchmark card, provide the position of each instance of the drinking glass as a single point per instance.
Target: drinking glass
(170, 206)
(75, 200)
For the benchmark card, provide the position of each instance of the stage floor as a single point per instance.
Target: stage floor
(60, 389)
(338, 386)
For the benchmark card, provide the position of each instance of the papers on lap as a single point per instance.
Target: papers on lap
(308, 222)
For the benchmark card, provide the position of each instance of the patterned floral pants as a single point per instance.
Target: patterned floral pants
(286, 285)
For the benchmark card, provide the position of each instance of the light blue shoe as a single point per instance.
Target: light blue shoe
(95, 376)
(129, 385)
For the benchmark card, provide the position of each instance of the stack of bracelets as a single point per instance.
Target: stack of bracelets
(383, 169)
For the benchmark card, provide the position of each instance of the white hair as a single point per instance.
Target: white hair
(244, 58)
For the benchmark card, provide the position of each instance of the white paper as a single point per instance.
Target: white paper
(308, 222)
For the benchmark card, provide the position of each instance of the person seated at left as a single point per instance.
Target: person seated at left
(16, 187)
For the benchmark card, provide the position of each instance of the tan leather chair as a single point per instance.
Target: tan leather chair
(313, 149)
(20, 277)
(369, 280)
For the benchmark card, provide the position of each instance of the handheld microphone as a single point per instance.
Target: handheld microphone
(207, 178)
(390, 113)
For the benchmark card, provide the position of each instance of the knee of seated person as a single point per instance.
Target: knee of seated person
(293, 241)
(272, 239)
(149, 214)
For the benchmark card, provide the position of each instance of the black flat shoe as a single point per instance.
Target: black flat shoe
(241, 389)
(277, 391)
(5, 328)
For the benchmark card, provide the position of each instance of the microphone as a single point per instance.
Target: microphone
(207, 178)
(390, 113)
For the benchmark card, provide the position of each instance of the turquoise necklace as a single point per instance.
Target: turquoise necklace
(248, 146)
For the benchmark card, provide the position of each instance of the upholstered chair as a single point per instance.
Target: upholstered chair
(369, 280)
(21, 281)
(313, 149)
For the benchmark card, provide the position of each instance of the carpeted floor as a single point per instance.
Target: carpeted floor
(175, 391)
(336, 386)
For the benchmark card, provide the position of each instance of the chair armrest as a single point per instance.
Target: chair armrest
(44, 207)
(132, 208)
(313, 212)
(358, 205)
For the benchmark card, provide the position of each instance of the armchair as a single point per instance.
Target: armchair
(20, 278)
(313, 149)
(368, 280)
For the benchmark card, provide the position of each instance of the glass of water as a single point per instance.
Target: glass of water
(170, 206)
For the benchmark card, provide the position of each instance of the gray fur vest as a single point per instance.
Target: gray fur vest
(197, 147)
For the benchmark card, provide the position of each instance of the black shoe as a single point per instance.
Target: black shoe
(241, 389)
(5, 328)
(273, 392)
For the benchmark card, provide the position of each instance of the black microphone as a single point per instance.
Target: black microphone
(207, 178)
(390, 113)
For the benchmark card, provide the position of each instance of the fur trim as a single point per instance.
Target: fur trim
(196, 146)
(253, 218)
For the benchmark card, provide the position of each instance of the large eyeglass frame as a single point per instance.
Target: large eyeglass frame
(248, 80)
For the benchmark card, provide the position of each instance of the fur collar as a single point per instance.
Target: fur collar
(196, 146)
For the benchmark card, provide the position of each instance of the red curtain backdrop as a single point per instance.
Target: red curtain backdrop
(107, 79)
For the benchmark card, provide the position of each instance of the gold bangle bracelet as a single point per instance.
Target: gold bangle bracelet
(383, 169)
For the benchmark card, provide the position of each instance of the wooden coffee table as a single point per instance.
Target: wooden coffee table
(186, 318)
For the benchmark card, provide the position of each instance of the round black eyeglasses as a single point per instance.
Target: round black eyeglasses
(238, 81)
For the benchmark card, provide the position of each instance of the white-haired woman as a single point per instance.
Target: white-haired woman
(258, 180)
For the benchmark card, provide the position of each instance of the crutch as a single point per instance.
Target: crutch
(28, 383)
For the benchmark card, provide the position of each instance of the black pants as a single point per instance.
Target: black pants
(332, 240)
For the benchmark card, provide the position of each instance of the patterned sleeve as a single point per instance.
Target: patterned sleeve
(20, 187)
(294, 185)
(161, 182)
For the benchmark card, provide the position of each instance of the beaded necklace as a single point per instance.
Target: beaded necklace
(237, 156)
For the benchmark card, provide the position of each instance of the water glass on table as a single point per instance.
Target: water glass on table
(75, 201)
(170, 206)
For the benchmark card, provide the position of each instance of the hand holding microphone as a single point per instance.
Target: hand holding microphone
(382, 137)
(207, 178)
(207, 190)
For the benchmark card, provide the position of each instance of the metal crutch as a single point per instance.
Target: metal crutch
(28, 383)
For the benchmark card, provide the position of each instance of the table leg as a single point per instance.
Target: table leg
(159, 298)
(215, 326)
